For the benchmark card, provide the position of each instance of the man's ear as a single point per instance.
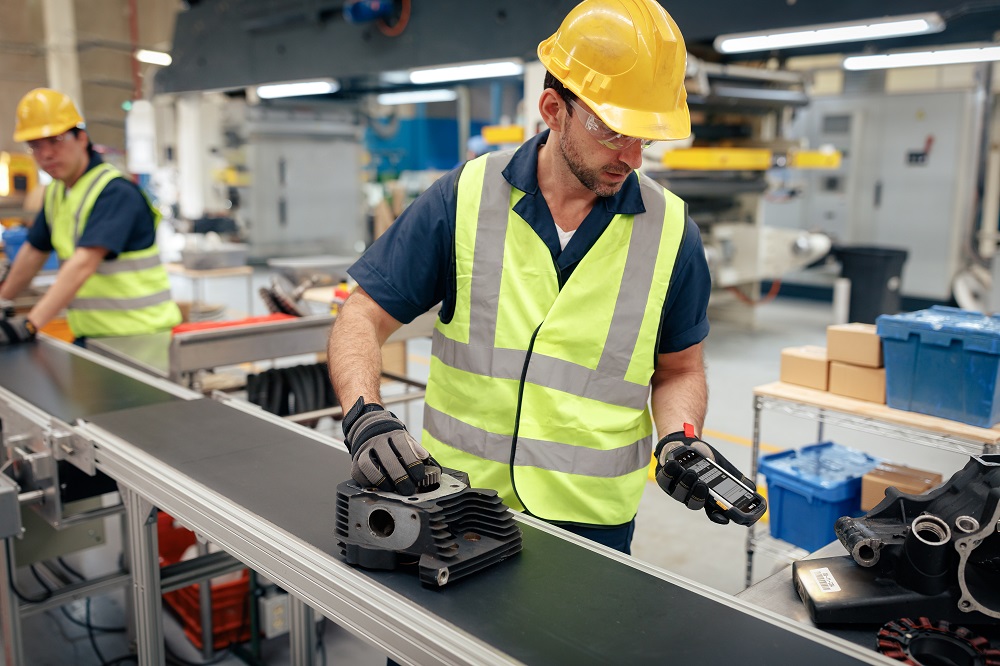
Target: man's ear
(549, 106)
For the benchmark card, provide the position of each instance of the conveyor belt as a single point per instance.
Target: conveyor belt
(556, 602)
(69, 386)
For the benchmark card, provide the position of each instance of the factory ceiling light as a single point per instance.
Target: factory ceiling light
(153, 57)
(830, 33)
(474, 70)
(298, 88)
(923, 58)
(417, 96)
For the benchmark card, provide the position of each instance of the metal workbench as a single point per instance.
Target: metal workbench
(264, 491)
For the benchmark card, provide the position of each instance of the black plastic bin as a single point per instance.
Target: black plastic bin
(875, 274)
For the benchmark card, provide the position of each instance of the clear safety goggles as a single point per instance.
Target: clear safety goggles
(606, 136)
(36, 145)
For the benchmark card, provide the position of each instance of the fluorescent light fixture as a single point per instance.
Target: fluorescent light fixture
(480, 70)
(417, 97)
(153, 57)
(297, 89)
(830, 33)
(923, 58)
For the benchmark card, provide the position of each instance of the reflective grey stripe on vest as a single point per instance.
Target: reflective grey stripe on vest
(552, 456)
(607, 383)
(487, 262)
(128, 265)
(544, 371)
(101, 178)
(120, 303)
(637, 278)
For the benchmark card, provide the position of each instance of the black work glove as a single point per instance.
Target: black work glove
(15, 329)
(385, 455)
(683, 485)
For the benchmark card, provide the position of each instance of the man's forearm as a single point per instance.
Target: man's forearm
(25, 266)
(680, 391)
(70, 278)
(354, 350)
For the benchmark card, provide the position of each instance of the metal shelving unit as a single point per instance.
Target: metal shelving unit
(829, 409)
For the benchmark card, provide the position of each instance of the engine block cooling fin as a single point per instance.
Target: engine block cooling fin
(923, 642)
(448, 530)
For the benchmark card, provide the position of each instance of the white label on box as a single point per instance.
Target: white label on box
(825, 580)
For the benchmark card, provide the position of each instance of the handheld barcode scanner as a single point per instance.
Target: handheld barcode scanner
(741, 503)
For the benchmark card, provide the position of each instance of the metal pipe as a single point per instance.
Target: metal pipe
(31, 497)
(75, 592)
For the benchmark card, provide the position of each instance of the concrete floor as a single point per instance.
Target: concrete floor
(667, 535)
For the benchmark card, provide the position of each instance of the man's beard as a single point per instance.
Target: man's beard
(589, 178)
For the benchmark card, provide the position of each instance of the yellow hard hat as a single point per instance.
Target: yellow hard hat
(43, 113)
(626, 59)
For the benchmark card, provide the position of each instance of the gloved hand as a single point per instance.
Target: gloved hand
(15, 329)
(683, 485)
(385, 455)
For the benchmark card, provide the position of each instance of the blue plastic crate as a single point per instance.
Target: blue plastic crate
(809, 489)
(943, 361)
(15, 237)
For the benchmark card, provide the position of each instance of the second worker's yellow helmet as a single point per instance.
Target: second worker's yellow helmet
(44, 112)
(627, 60)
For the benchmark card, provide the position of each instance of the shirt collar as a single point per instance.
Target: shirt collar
(522, 173)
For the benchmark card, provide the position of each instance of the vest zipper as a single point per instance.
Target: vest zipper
(517, 420)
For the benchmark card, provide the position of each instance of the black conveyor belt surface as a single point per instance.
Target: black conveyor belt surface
(68, 386)
(554, 603)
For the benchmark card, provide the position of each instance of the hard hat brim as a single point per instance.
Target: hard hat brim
(44, 131)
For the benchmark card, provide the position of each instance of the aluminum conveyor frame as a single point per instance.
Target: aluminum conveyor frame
(264, 494)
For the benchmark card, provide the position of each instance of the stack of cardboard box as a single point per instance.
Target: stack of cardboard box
(856, 370)
(849, 365)
(906, 479)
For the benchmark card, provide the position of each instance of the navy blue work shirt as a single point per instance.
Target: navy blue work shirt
(120, 221)
(411, 267)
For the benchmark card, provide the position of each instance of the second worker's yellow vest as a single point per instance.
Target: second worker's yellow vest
(539, 392)
(129, 295)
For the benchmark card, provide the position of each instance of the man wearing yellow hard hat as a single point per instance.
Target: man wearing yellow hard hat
(101, 226)
(571, 286)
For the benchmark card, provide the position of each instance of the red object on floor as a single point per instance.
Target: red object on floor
(230, 615)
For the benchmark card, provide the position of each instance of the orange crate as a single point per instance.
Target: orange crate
(230, 616)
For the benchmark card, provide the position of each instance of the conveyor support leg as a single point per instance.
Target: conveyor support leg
(145, 562)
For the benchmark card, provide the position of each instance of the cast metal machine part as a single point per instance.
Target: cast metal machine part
(449, 529)
(935, 555)
(923, 641)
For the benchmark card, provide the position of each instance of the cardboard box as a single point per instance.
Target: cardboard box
(885, 475)
(855, 381)
(805, 366)
(857, 344)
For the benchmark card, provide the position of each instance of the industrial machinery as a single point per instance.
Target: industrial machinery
(935, 555)
(451, 529)
(739, 123)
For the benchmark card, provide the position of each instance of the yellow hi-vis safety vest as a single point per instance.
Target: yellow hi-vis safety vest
(542, 393)
(129, 295)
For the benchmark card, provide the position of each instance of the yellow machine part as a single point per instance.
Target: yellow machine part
(18, 174)
(718, 159)
(814, 159)
(498, 135)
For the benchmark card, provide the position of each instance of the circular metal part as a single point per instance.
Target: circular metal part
(923, 642)
(966, 524)
(931, 530)
(381, 523)
(442, 577)
(867, 552)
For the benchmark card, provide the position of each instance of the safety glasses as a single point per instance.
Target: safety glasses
(606, 136)
(36, 145)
